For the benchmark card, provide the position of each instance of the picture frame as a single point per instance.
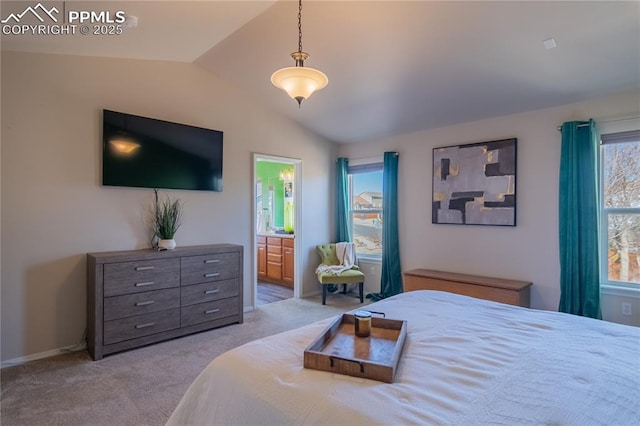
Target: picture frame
(288, 189)
(475, 183)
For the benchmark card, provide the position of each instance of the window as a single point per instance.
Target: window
(620, 176)
(365, 209)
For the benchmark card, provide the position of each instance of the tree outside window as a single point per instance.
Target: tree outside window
(620, 162)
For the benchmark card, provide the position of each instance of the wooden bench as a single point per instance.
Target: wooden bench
(501, 290)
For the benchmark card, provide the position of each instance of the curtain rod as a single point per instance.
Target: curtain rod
(579, 125)
(604, 121)
(374, 157)
(377, 158)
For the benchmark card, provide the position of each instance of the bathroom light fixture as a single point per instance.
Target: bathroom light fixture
(299, 82)
(286, 175)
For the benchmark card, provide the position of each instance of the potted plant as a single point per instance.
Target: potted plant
(166, 221)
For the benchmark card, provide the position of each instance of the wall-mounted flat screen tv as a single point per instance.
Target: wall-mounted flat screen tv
(149, 153)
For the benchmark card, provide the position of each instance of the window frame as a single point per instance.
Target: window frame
(369, 167)
(610, 138)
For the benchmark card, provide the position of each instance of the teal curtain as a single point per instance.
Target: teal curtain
(343, 233)
(391, 280)
(579, 220)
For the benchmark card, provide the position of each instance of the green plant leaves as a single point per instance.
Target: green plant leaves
(167, 218)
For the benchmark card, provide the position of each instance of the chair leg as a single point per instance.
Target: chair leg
(324, 294)
(344, 289)
(361, 290)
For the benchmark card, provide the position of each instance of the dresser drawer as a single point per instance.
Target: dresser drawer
(135, 277)
(274, 250)
(140, 303)
(215, 267)
(203, 312)
(274, 241)
(141, 325)
(207, 292)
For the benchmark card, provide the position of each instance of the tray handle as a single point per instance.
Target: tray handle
(333, 357)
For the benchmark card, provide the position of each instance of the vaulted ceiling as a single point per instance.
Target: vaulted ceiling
(393, 66)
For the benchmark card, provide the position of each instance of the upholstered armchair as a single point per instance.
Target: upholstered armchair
(329, 257)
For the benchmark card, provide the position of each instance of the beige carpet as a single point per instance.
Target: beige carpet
(141, 386)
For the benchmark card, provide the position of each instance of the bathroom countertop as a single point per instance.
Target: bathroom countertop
(273, 234)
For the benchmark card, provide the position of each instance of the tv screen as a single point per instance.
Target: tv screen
(149, 153)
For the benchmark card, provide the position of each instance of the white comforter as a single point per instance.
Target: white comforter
(465, 362)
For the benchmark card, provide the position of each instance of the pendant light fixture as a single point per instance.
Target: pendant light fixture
(299, 82)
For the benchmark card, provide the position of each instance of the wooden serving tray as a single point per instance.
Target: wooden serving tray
(339, 350)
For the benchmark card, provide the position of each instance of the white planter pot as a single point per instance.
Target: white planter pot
(167, 244)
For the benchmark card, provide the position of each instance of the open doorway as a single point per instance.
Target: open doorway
(276, 216)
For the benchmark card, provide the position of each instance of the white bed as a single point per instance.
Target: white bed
(465, 361)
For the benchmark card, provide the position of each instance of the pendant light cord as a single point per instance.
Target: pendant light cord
(299, 25)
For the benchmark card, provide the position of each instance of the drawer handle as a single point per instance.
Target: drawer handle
(149, 324)
(145, 284)
(212, 261)
(211, 311)
(213, 274)
(217, 290)
(144, 268)
(148, 302)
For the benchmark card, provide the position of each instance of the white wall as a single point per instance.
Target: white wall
(54, 209)
(528, 251)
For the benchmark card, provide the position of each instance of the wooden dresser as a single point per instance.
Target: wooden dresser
(139, 297)
(497, 289)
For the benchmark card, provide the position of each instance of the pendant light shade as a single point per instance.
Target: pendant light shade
(299, 82)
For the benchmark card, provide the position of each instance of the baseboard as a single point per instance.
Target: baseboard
(311, 294)
(41, 355)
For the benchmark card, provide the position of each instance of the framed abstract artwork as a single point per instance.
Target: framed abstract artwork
(475, 184)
